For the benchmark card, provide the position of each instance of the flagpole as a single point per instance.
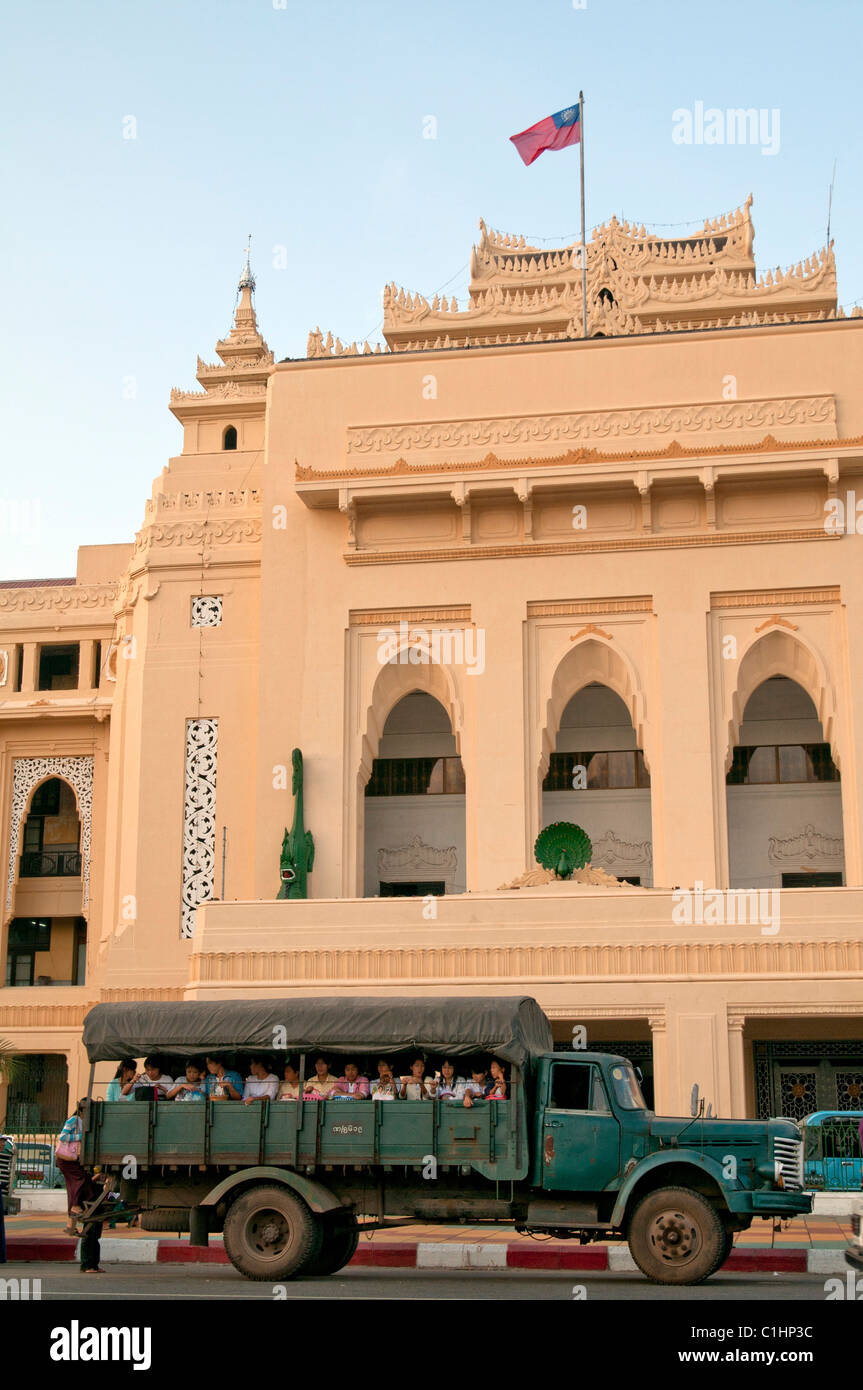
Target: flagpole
(583, 242)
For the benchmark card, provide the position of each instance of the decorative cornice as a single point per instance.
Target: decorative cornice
(391, 617)
(530, 549)
(576, 457)
(587, 607)
(595, 963)
(117, 995)
(44, 1015)
(774, 598)
(63, 600)
(580, 427)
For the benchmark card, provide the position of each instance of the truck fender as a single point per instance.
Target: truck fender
(692, 1157)
(314, 1194)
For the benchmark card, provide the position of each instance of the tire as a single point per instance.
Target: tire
(271, 1234)
(676, 1237)
(165, 1219)
(727, 1247)
(338, 1247)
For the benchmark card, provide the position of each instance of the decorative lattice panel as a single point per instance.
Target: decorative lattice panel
(27, 775)
(199, 818)
(207, 610)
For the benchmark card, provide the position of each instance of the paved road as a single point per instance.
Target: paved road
(143, 1282)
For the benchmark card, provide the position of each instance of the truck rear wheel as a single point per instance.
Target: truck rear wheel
(271, 1234)
(338, 1247)
(676, 1236)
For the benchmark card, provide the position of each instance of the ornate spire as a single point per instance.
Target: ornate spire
(247, 279)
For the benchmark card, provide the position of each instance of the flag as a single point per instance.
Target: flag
(554, 133)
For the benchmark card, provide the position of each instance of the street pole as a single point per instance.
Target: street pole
(583, 242)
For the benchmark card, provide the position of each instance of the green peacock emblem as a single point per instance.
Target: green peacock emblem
(563, 847)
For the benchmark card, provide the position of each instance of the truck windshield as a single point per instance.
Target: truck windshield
(627, 1091)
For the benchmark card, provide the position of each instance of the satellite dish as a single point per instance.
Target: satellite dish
(693, 1100)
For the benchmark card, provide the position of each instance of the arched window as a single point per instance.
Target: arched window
(229, 439)
(606, 296)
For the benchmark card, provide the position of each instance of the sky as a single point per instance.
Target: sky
(142, 143)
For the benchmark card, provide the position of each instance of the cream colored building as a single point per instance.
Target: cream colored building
(492, 576)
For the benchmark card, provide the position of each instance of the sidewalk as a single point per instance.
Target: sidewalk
(810, 1244)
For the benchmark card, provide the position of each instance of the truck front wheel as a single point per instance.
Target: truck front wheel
(271, 1234)
(676, 1236)
(339, 1245)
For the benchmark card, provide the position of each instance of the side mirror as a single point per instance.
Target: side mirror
(693, 1100)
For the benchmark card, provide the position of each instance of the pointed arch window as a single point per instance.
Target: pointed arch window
(229, 438)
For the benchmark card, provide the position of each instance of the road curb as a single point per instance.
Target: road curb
(421, 1254)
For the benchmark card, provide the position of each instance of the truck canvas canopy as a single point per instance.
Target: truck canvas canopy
(512, 1028)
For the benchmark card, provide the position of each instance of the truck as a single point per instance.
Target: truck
(572, 1152)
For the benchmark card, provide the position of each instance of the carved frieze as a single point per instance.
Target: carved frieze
(60, 597)
(809, 843)
(416, 860)
(608, 849)
(194, 534)
(581, 427)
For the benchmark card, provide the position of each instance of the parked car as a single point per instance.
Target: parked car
(832, 1157)
(36, 1165)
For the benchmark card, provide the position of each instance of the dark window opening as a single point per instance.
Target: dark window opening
(412, 890)
(416, 777)
(826, 879)
(782, 762)
(617, 768)
(58, 667)
(97, 665)
(19, 669)
(606, 297)
(229, 439)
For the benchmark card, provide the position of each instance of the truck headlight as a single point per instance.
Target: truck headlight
(771, 1172)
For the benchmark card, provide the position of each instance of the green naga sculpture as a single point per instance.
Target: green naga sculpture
(298, 847)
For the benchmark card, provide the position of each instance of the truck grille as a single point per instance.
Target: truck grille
(789, 1153)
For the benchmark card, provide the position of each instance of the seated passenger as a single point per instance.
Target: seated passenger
(290, 1087)
(322, 1084)
(352, 1086)
(385, 1088)
(222, 1084)
(262, 1084)
(449, 1082)
(474, 1089)
(384, 1064)
(416, 1086)
(193, 1086)
(125, 1073)
(151, 1078)
(497, 1089)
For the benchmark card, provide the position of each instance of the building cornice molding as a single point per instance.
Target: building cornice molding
(589, 963)
(181, 535)
(531, 549)
(775, 598)
(59, 599)
(454, 613)
(581, 427)
(45, 1015)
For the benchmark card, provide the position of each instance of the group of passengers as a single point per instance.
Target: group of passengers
(212, 1078)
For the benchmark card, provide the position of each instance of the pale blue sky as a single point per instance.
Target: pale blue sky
(304, 126)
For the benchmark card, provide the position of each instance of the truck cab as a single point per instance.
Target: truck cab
(603, 1162)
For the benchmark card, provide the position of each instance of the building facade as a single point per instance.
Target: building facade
(489, 576)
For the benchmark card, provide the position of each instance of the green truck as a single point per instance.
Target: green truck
(572, 1152)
